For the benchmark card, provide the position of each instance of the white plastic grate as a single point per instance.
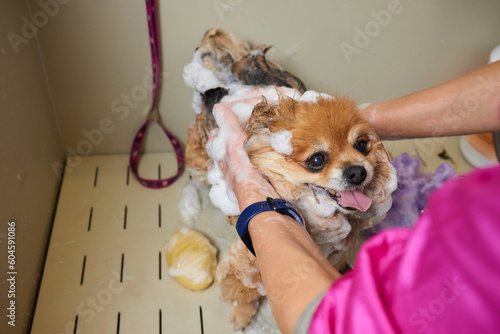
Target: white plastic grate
(106, 271)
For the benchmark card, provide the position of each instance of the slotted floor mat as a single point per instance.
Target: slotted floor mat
(106, 271)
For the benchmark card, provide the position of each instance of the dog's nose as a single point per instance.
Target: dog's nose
(355, 175)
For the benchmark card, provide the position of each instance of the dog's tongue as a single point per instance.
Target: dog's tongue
(355, 199)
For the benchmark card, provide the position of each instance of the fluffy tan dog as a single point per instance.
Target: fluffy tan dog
(330, 164)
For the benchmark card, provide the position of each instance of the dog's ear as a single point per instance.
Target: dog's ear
(274, 116)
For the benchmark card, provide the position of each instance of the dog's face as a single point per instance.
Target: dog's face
(332, 157)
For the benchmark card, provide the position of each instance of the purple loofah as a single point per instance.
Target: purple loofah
(410, 198)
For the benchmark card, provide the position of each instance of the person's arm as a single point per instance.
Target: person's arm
(466, 105)
(293, 269)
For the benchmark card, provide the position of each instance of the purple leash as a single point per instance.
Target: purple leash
(154, 114)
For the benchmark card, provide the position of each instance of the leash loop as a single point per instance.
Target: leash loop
(154, 115)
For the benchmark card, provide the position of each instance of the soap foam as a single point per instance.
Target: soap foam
(282, 142)
(312, 96)
(189, 203)
(221, 194)
(363, 105)
(242, 111)
(198, 77)
(196, 105)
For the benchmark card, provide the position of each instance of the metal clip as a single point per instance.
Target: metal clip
(154, 115)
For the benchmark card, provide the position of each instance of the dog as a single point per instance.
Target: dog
(316, 150)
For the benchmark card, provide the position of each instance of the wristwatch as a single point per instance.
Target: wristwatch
(279, 205)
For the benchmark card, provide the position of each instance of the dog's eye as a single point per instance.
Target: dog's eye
(361, 146)
(316, 162)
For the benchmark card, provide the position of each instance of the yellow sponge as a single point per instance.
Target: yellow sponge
(191, 259)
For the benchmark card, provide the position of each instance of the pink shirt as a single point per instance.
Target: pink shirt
(441, 276)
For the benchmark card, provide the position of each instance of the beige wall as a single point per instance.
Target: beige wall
(29, 144)
(97, 53)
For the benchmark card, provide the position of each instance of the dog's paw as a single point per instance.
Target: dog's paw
(190, 203)
(242, 314)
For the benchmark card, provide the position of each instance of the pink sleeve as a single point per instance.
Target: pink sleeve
(442, 276)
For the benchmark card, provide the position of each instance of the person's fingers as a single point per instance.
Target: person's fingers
(223, 166)
(242, 109)
(229, 126)
(213, 133)
(241, 104)
(226, 118)
(250, 100)
(210, 165)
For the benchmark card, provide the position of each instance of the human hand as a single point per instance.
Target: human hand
(236, 183)
(466, 105)
(369, 112)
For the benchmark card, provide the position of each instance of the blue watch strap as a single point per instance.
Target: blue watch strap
(279, 205)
